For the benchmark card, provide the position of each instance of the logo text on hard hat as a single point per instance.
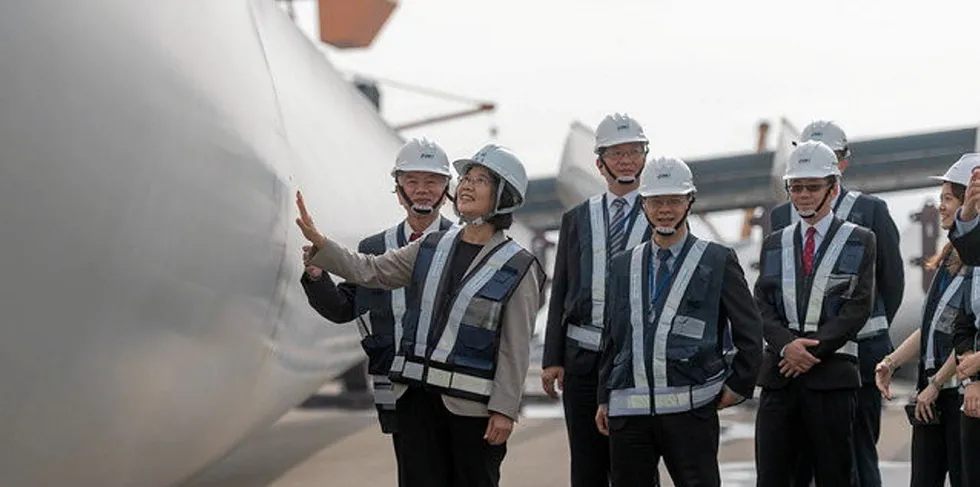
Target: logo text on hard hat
(663, 175)
(623, 127)
(804, 161)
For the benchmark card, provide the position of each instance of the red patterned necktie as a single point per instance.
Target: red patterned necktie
(808, 251)
(414, 236)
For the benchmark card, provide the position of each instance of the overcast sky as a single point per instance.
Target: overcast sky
(698, 75)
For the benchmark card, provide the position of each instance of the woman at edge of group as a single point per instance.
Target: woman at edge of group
(472, 295)
(936, 449)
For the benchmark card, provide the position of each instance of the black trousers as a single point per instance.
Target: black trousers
(936, 449)
(867, 430)
(688, 443)
(970, 446)
(788, 419)
(441, 449)
(589, 449)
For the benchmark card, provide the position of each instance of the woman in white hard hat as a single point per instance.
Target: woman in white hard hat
(473, 294)
(935, 411)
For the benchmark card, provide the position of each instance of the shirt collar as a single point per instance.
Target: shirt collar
(433, 227)
(629, 197)
(675, 250)
(822, 226)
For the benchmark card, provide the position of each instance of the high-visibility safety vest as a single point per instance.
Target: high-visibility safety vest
(853, 208)
(832, 280)
(668, 356)
(380, 322)
(451, 335)
(593, 263)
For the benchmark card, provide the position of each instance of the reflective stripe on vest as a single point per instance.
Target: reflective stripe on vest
(843, 211)
(663, 399)
(364, 324)
(397, 295)
(447, 341)
(954, 285)
(384, 392)
(874, 326)
(588, 335)
(820, 279)
(439, 261)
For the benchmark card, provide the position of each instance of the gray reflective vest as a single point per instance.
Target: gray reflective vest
(451, 336)
(381, 312)
(585, 331)
(668, 355)
(853, 208)
(938, 320)
(832, 280)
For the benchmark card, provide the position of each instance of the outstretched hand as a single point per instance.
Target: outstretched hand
(306, 225)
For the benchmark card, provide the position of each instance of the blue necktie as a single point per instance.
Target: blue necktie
(663, 274)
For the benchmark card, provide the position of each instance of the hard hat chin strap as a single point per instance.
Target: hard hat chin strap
(823, 201)
(668, 231)
(621, 179)
(423, 209)
(501, 186)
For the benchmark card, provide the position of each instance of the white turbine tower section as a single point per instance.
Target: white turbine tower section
(149, 265)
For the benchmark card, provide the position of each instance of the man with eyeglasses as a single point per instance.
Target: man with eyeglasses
(815, 292)
(591, 233)
(873, 341)
(665, 371)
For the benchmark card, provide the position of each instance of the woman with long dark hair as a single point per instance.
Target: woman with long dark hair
(935, 410)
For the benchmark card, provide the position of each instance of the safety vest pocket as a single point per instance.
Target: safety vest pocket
(474, 347)
(947, 320)
(842, 284)
(850, 258)
(482, 313)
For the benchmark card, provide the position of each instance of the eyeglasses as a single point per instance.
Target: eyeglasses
(657, 203)
(811, 188)
(476, 181)
(633, 153)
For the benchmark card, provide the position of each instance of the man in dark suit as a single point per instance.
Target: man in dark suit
(421, 176)
(815, 292)
(873, 341)
(591, 233)
(965, 235)
(665, 371)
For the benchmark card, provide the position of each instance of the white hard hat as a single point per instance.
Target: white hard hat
(666, 176)
(618, 129)
(505, 164)
(811, 159)
(826, 131)
(961, 170)
(422, 155)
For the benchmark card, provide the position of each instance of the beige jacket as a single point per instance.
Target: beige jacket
(393, 270)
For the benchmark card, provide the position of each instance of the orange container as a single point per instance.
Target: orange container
(353, 23)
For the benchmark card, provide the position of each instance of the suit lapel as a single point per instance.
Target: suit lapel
(840, 198)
